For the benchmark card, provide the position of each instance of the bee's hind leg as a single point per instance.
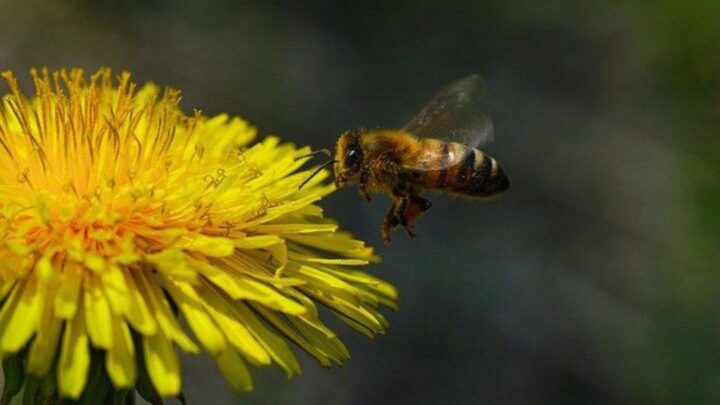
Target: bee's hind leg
(411, 207)
(419, 204)
(390, 222)
(406, 211)
(407, 206)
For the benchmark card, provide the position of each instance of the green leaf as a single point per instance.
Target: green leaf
(14, 372)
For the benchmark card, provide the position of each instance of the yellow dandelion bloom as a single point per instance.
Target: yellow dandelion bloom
(120, 215)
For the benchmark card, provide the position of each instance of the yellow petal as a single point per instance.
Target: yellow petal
(18, 247)
(256, 264)
(257, 242)
(275, 212)
(120, 359)
(279, 255)
(208, 246)
(329, 345)
(357, 326)
(244, 287)
(377, 315)
(5, 289)
(282, 326)
(384, 294)
(352, 276)
(139, 315)
(235, 331)
(172, 262)
(229, 134)
(294, 228)
(217, 275)
(304, 300)
(95, 262)
(339, 242)
(309, 211)
(20, 316)
(11, 268)
(163, 314)
(74, 358)
(234, 370)
(127, 254)
(45, 268)
(197, 317)
(343, 262)
(116, 290)
(163, 365)
(66, 300)
(98, 317)
(320, 281)
(44, 346)
(279, 351)
(42, 351)
(356, 313)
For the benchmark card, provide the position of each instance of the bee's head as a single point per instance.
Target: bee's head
(348, 158)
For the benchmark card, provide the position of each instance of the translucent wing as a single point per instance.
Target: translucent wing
(449, 115)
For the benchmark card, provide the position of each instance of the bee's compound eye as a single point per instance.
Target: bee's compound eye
(352, 157)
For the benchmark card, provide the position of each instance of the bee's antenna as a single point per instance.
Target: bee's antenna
(315, 173)
(317, 152)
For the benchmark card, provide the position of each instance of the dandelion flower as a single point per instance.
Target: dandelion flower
(128, 230)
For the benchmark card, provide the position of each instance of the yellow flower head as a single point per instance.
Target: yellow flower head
(119, 215)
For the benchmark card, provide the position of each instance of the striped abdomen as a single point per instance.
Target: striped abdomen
(453, 167)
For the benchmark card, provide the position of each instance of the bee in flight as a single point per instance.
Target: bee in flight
(436, 150)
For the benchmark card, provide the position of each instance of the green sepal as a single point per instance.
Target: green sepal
(14, 372)
(123, 397)
(30, 393)
(98, 388)
(40, 390)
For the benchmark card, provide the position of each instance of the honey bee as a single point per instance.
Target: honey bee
(435, 151)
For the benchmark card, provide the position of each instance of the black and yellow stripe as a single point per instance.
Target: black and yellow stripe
(469, 172)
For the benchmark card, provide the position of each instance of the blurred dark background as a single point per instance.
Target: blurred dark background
(593, 280)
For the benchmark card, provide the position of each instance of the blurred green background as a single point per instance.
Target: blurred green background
(594, 280)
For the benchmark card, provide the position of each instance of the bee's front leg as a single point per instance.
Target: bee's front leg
(364, 194)
(363, 185)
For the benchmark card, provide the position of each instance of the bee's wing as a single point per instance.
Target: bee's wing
(450, 118)
(449, 115)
